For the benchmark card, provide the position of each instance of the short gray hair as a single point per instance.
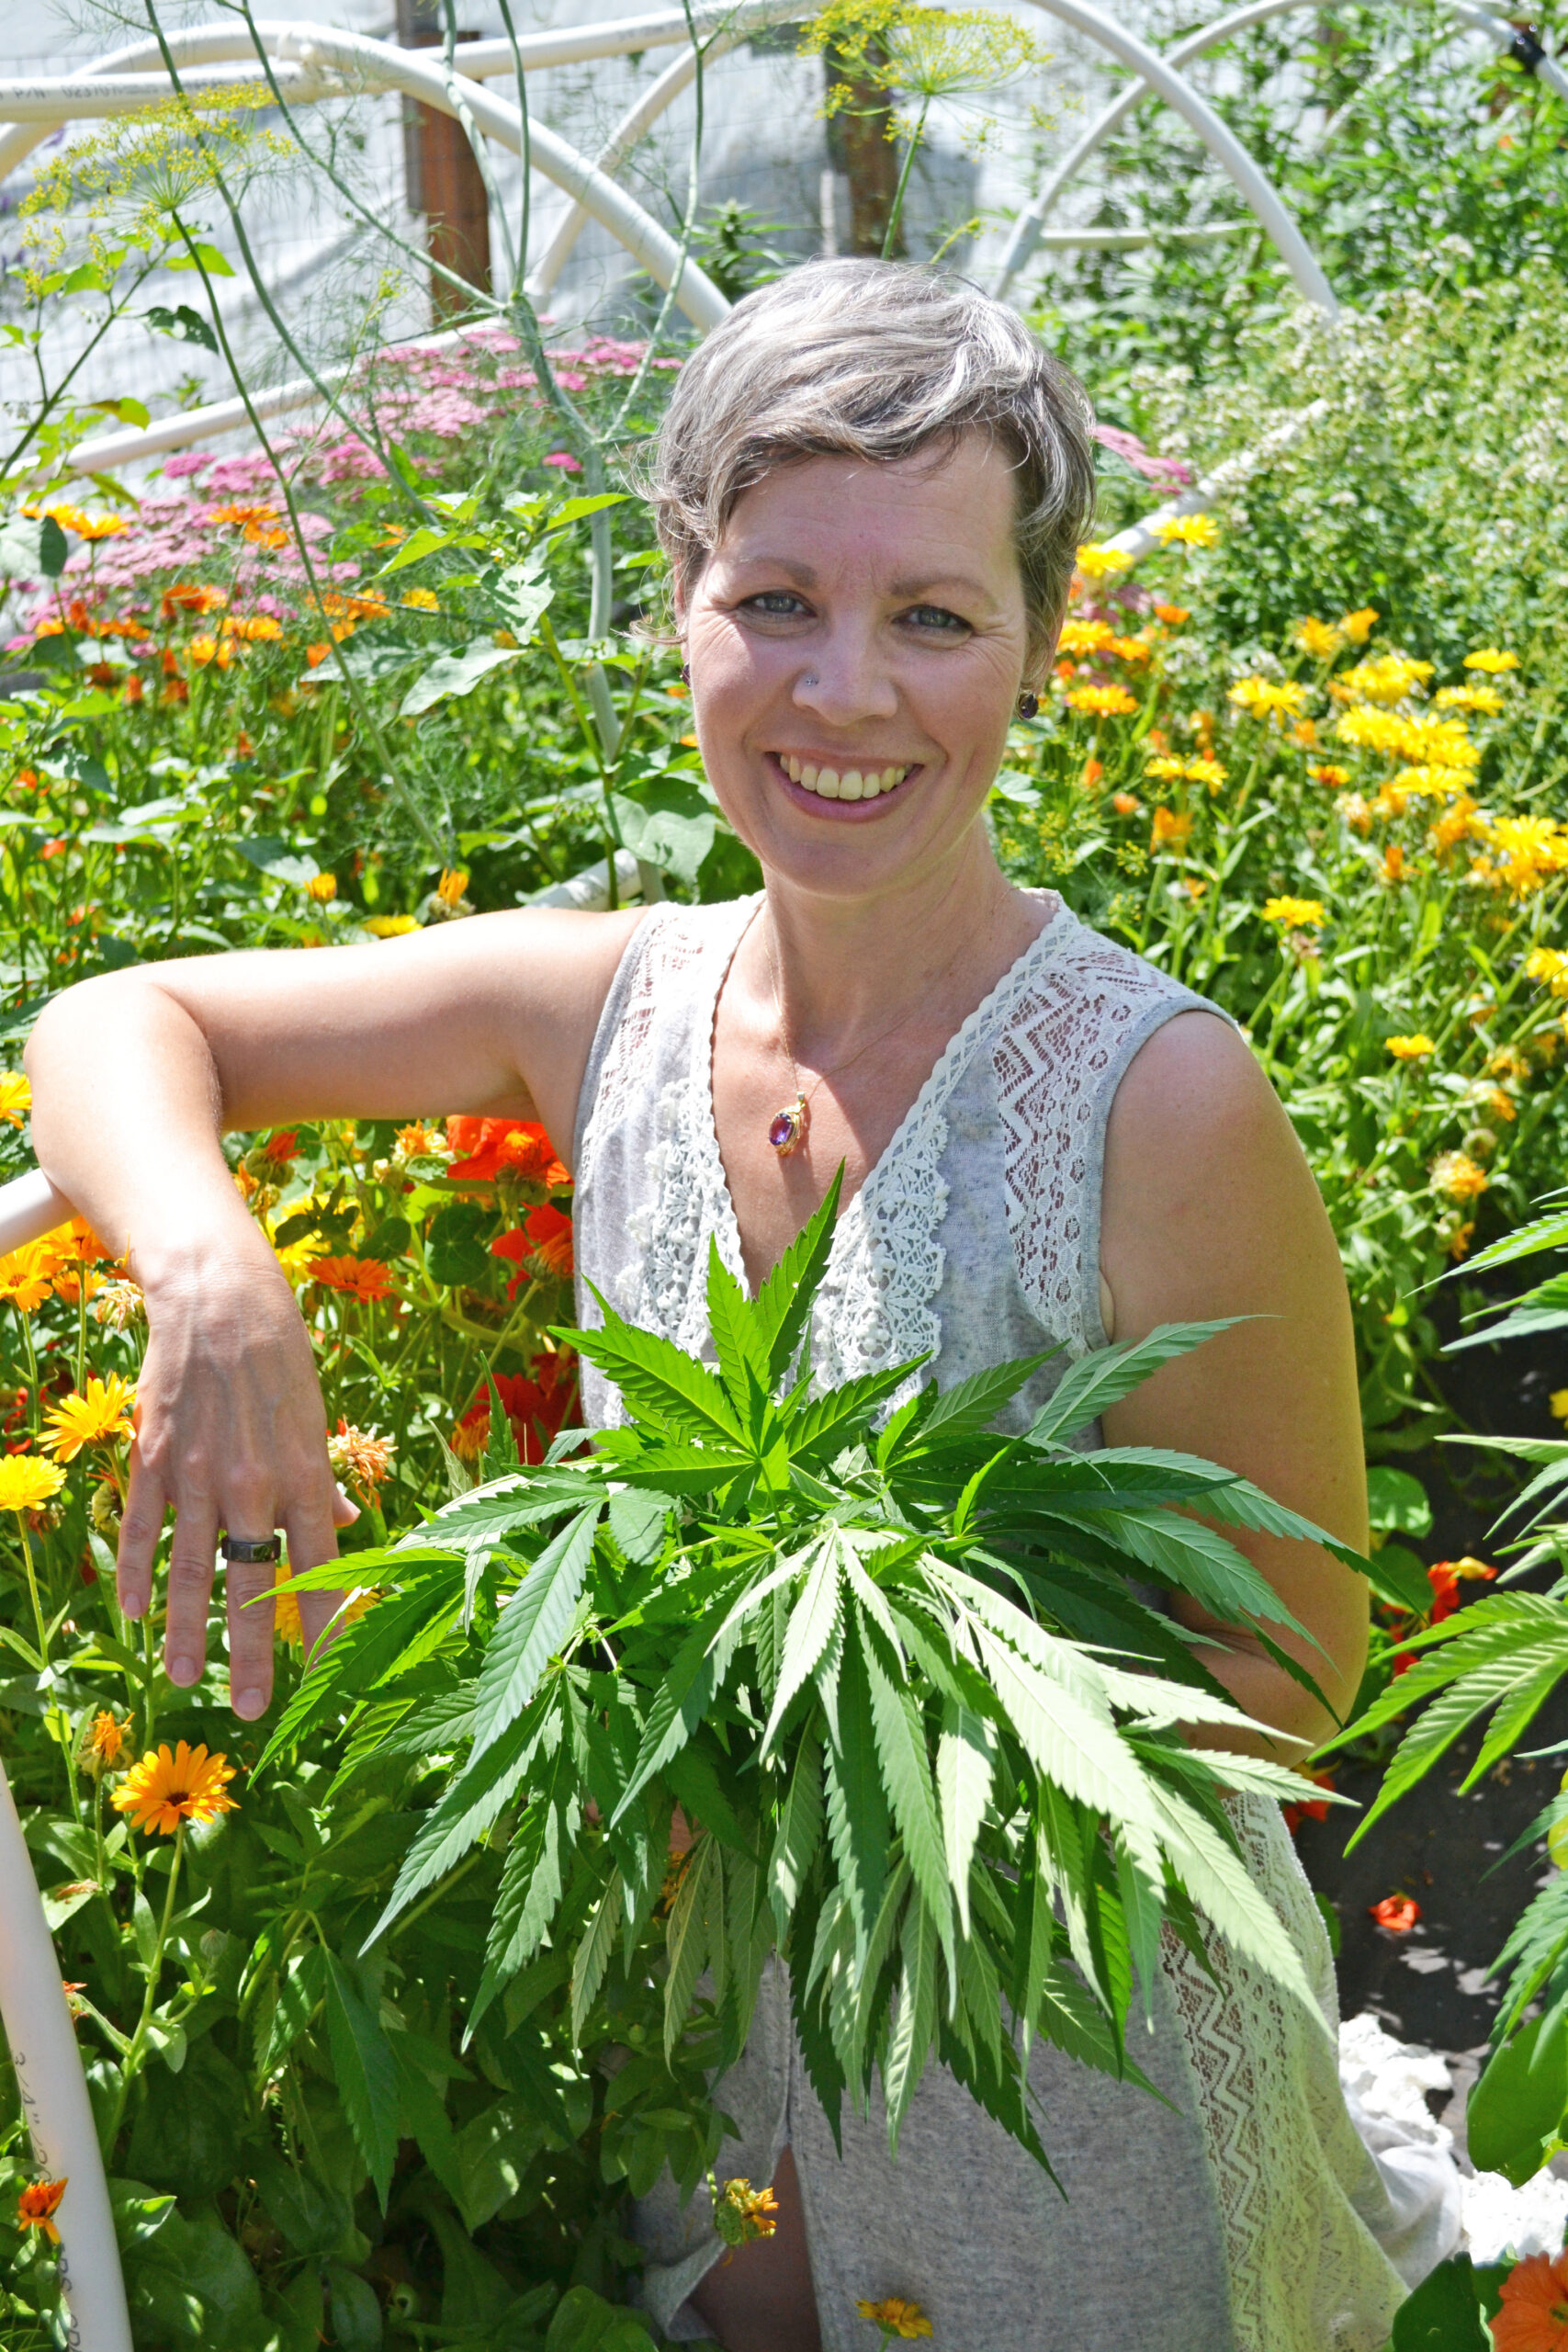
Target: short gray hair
(878, 361)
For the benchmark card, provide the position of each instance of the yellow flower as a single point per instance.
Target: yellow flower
(1101, 702)
(1188, 531)
(1390, 678)
(25, 1483)
(1530, 849)
(1488, 658)
(421, 600)
(1458, 1177)
(100, 1417)
(742, 2214)
(1410, 1050)
(322, 887)
(163, 1792)
(360, 1455)
(896, 2316)
(1432, 783)
(1171, 826)
(1358, 625)
(1164, 770)
(390, 926)
(1265, 699)
(287, 1623)
(1322, 639)
(1336, 778)
(15, 1097)
(106, 1737)
(1485, 699)
(453, 883)
(1295, 914)
(1100, 562)
(1557, 1404)
(1550, 966)
(27, 1275)
(1085, 636)
(1209, 772)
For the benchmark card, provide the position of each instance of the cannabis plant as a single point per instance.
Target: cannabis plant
(896, 1675)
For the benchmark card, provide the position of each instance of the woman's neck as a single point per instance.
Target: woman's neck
(840, 969)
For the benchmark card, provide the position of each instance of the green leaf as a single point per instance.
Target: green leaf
(469, 1810)
(592, 1954)
(455, 674)
(811, 1623)
(859, 1830)
(532, 1627)
(1515, 2110)
(1444, 2312)
(799, 1831)
(737, 1342)
(185, 325)
(689, 1936)
(783, 1307)
(971, 1405)
(1109, 1374)
(965, 1762)
(1526, 1241)
(657, 1380)
(203, 258)
(914, 2020)
(1396, 1503)
(531, 1883)
(906, 1778)
(365, 2075)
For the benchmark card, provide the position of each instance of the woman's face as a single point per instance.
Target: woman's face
(857, 640)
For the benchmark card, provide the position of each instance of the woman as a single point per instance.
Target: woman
(870, 485)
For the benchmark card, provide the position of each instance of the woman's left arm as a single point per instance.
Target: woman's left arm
(1210, 1210)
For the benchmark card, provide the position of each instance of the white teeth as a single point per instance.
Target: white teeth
(890, 776)
(807, 777)
(849, 785)
(854, 784)
(828, 784)
(792, 769)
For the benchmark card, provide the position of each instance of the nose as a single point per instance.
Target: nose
(848, 678)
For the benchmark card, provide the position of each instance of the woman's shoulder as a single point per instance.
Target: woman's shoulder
(1079, 1000)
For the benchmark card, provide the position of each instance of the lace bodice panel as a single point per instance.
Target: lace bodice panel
(1007, 1135)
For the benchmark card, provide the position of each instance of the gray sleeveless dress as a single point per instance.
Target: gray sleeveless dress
(1244, 2215)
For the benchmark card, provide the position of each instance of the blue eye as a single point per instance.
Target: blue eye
(780, 603)
(936, 616)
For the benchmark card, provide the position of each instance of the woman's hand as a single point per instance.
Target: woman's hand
(231, 1435)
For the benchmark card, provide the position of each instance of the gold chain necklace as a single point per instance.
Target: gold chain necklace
(787, 1128)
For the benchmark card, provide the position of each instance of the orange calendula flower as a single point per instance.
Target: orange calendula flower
(1534, 2312)
(362, 1278)
(27, 1483)
(100, 1416)
(1336, 778)
(1125, 805)
(1101, 702)
(1393, 864)
(322, 887)
(1085, 636)
(895, 2316)
(38, 2205)
(1397, 1913)
(1458, 1177)
(1172, 826)
(106, 1737)
(163, 1792)
(1172, 615)
(453, 883)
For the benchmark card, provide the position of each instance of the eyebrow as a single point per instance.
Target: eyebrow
(914, 587)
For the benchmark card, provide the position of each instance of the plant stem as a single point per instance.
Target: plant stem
(910, 152)
(31, 1575)
(132, 2066)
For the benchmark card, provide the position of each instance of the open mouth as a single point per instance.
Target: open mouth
(842, 784)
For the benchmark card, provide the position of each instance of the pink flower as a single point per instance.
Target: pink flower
(563, 458)
(187, 461)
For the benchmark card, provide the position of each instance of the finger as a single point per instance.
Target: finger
(140, 1527)
(344, 1512)
(250, 1634)
(312, 1539)
(192, 1555)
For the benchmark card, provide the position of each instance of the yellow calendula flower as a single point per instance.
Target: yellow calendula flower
(163, 1792)
(1336, 778)
(1322, 639)
(1490, 658)
(422, 600)
(1432, 783)
(15, 1097)
(1212, 773)
(1101, 702)
(1529, 850)
(1100, 562)
(1410, 1050)
(100, 1416)
(1358, 626)
(287, 1623)
(1268, 698)
(1188, 531)
(1486, 700)
(1165, 769)
(27, 1275)
(1392, 677)
(1295, 914)
(1458, 1177)
(27, 1483)
(1171, 829)
(390, 926)
(896, 2315)
(322, 887)
(1085, 636)
(1549, 965)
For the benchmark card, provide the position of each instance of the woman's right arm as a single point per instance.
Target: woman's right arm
(137, 1076)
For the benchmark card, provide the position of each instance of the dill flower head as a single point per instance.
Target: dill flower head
(1099, 563)
(38, 2205)
(927, 54)
(27, 1483)
(1322, 639)
(1264, 698)
(100, 1416)
(1101, 702)
(1491, 659)
(15, 1097)
(1458, 1177)
(1188, 531)
(895, 2316)
(165, 1791)
(1295, 914)
(1410, 1050)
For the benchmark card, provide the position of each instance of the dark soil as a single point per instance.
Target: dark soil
(1441, 1847)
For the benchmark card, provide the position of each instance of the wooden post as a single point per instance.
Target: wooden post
(858, 145)
(443, 181)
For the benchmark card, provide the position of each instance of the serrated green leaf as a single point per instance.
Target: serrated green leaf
(532, 1627)
(906, 1778)
(367, 2077)
(1111, 1373)
(783, 1307)
(592, 1954)
(965, 1762)
(659, 1381)
(799, 1829)
(811, 1623)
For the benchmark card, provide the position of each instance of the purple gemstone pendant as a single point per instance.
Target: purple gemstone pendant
(789, 1128)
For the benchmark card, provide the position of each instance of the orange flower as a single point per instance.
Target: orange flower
(1310, 1808)
(106, 1737)
(551, 1234)
(1397, 1913)
(1172, 615)
(1445, 1577)
(363, 1278)
(1170, 825)
(1092, 771)
(38, 2205)
(485, 1149)
(185, 597)
(360, 1455)
(163, 1792)
(537, 1408)
(1393, 864)
(1125, 805)
(1101, 702)
(1534, 2315)
(286, 1619)
(281, 1146)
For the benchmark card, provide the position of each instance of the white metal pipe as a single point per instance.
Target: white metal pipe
(30, 1206)
(49, 2081)
(1141, 538)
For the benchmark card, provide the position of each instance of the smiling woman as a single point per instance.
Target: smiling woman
(870, 483)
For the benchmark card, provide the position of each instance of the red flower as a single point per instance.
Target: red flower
(493, 1148)
(1445, 1577)
(1534, 2316)
(1397, 1913)
(281, 1146)
(1309, 1808)
(537, 1404)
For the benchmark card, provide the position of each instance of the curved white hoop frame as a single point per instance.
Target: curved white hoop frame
(1028, 230)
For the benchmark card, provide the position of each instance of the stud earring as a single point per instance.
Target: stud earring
(686, 672)
(1028, 705)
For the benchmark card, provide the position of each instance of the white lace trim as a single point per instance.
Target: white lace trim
(1292, 2178)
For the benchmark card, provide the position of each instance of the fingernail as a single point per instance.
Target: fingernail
(182, 1667)
(249, 1703)
(132, 1607)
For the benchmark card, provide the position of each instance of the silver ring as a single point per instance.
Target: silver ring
(243, 1555)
